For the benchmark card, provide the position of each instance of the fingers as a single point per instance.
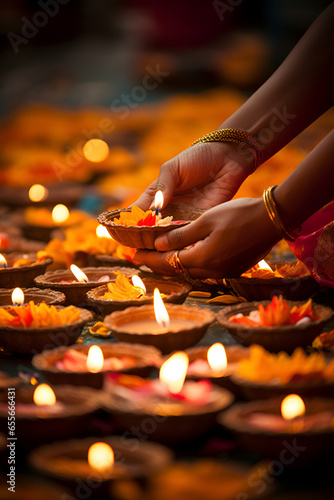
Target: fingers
(156, 261)
(182, 237)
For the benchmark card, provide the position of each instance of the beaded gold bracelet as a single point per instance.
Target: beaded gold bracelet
(271, 207)
(238, 136)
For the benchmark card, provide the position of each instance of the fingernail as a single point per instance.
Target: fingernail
(161, 243)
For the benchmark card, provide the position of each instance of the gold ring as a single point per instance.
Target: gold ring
(175, 262)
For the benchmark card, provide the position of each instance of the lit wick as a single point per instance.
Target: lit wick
(17, 297)
(80, 275)
(3, 262)
(160, 311)
(158, 202)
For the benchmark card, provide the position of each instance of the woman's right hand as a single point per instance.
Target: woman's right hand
(203, 175)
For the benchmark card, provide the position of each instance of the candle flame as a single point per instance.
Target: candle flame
(263, 265)
(292, 406)
(37, 192)
(3, 262)
(60, 213)
(160, 311)
(95, 359)
(101, 457)
(80, 275)
(44, 395)
(217, 357)
(136, 281)
(17, 296)
(173, 371)
(96, 150)
(102, 232)
(158, 200)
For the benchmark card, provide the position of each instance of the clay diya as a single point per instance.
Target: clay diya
(294, 431)
(263, 282)
(19, 270)
(173, 291)
(168, 409)
(76, 286)
(284, 337)
(144, 228)
(95, 464)
(43, 414)
(168, 327)
(38, 223)
(266, 375)
(217, 363)
(50, 297)
(32, 339)
(69, 365)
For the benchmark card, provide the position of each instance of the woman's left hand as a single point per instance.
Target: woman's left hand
(223, 242)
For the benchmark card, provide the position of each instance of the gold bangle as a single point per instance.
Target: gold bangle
(238, 136)
(271, 207)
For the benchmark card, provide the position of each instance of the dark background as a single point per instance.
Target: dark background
(86, 52)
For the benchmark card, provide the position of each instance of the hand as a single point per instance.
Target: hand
(203, 175)
(227, 240)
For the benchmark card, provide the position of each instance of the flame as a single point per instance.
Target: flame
(96, 150)
(60, 213)
(160, 311)
(95, 359)
(217, 357)
(44, 395)
(37, 192)
(173, 371)
(17, 296)
(292, 406)
(263, 265)
(3, 262)
(158, 200)
(136, 281)
(80, 275)
(101, 457)
(102, 232)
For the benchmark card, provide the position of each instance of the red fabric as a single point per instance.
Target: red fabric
(315, 245)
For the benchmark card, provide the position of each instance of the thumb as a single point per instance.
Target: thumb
(182, 237)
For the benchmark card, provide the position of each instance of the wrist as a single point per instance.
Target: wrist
(286, 231)
(249, 149)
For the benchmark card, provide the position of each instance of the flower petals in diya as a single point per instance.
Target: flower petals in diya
(261, 282)
(264, 374)
(19, 270)
(138, 229)
(180, 410)
(30, 328)
(272, 429)
(282, 336)
(74, 288)
(217, 363)
(69, 364)
(122, 293)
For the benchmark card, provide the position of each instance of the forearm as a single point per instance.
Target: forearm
(299, 91)
(309, 187)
